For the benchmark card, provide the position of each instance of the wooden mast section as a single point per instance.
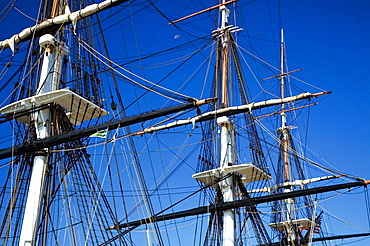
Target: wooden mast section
(283, 115)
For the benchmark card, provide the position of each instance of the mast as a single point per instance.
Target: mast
(283, 115)
(227, 143)
(49, 81)
(285, 142)
(225, 54)
(237, 174)
(53, 53)
(288, 223)
(43, 106)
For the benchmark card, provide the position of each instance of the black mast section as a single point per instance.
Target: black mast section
(244, 203)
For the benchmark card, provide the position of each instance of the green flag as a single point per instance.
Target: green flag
(100, 134)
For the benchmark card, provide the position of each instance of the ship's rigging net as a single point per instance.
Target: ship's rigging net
(74, 208)
(94, 187)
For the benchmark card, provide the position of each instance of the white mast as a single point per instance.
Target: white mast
(49, 81)
(227, 186)
(48, 92)
(227, 144)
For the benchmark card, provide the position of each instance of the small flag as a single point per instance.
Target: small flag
(100, 134)
(318, 223)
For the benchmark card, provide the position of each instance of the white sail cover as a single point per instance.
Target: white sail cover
(64, 19)
(242, 108)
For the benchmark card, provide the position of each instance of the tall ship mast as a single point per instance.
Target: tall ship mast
(161, 123)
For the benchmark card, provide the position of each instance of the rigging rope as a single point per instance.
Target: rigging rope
(367, 203)
(29, 17)
(7, 8)
(305, 158)
(339, 219)
(89, 48)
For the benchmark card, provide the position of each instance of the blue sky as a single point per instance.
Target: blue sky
(330, 40)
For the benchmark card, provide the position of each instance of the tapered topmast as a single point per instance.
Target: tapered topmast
(285, 142)
(289, 225)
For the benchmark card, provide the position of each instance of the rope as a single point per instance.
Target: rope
(88, 48)
(29, 17)
(304, 157)
(367, 203)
